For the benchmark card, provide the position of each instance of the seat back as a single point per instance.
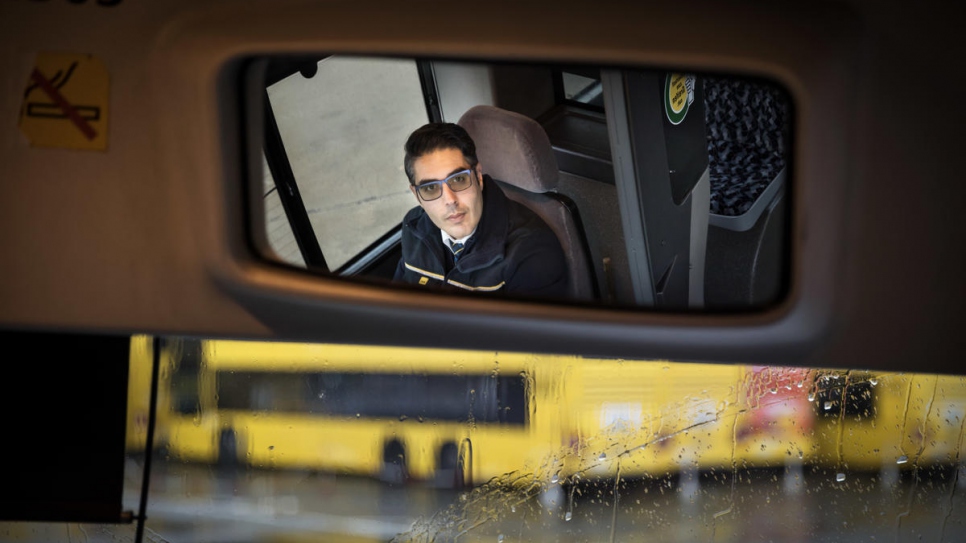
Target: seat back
(747, 126)
(747, 147)
(516, 152)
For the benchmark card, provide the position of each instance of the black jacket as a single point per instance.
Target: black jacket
(513, 251)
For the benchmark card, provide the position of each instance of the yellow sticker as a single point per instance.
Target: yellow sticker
(65, 102)
(677, 93)
(423, 280)
(678, 96)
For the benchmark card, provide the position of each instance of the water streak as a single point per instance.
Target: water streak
(734, 477)
(955, 482)
(570, 500)
(613, 519)
(922, 447)
(841, 429)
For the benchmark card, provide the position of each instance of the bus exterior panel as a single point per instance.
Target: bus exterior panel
(359, 403)
(889, 422)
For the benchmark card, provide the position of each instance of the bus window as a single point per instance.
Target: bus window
(579, 87)
(402, 444)
(343, 126)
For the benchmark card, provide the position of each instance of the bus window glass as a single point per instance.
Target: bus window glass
(583, 89)
(342, 442)
(343, 130)
(458, 398)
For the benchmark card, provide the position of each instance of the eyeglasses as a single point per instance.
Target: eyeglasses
(431, 190)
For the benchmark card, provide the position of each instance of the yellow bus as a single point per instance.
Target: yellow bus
(889, 422)
(442, 416)
(654, 418)
(139, 393)
(455, 417)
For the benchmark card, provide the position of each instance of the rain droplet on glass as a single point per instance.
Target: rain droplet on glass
(839, 477)
(902, 459)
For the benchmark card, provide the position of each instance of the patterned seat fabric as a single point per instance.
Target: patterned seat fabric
(747, 141)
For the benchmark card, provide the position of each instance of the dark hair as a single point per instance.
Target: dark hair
(434, 137)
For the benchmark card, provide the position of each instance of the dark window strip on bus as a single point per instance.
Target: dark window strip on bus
(460, 398)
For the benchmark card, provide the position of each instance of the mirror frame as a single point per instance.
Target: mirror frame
(293, 305)
(172, 205)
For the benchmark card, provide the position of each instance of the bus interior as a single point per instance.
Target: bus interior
(759, 204)
(703, 217)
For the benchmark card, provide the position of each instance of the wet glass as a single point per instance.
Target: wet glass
(289, 442)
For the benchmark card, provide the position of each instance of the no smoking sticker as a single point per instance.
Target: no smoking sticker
(65, 102)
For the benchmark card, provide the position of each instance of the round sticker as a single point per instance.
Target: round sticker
(678, 96)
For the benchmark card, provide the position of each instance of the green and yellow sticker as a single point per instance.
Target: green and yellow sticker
(678, 96)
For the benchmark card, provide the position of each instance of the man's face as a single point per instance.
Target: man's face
(456, 213)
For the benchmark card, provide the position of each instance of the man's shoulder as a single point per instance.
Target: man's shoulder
(535, 258)
(417, 222)
(413, 215)
(416, 225)
(521, 228)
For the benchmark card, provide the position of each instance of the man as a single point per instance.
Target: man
(465, 233)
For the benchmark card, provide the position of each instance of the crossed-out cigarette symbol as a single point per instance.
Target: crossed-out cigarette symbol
(59, 107)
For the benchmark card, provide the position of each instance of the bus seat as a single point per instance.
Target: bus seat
(746, 143)
(746, 123)
(516, 152)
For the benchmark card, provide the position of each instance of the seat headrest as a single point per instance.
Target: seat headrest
(512, 148)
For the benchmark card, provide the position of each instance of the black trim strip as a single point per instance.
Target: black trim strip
(289, 193)
(149, 441)
(427, 80)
